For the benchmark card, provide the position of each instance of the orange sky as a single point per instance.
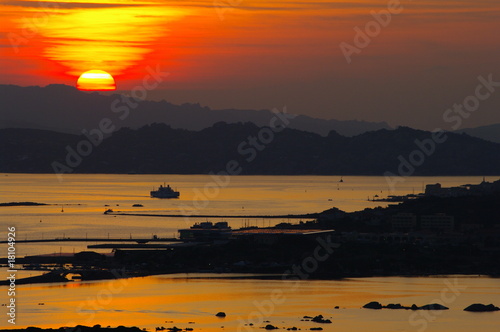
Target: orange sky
(265, 54)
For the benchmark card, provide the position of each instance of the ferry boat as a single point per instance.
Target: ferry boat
(165, 192)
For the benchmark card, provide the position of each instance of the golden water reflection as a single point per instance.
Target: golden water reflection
(176, 300)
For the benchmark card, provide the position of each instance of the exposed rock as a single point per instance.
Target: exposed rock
(221, 314)
(271, 327)
(316, 329)
(433, 306)
(395, 306)
(479, 307)
(373, 305)
(174, 329)
(377, 305)
(320, 319)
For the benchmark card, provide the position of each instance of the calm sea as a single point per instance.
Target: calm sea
(76, 210)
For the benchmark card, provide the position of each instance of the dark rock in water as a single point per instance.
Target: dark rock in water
(137, 205)
(221, 314)
(307, 317)
(395, 306)
(174, 329)
(373, 305)
(22, 204)
(479, 307)
(399, 306)
(316, 329)
(271, 327)
(377, 305)
(292, 329)
(433, 306)
(337, 307)
(320, 319)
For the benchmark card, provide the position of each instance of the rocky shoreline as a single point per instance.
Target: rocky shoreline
(476, 307)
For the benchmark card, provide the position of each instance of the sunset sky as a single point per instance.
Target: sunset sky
(265, 54)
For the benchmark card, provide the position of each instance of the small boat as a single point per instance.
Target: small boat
(165, 192)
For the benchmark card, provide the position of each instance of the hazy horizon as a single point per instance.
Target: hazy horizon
(160, 98)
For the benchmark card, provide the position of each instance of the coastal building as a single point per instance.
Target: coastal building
(271, 235)
(210, 232)
(438, 222)
(206, 232)
(483, 188)
(393, 237)
(438, 191)
(433, 189)
(404, 221)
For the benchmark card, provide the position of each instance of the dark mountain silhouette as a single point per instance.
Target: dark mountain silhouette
(65, 109)
(31, 150)
(157, 148)
(489, 133)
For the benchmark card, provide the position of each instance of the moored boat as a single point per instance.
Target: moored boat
(165, 192)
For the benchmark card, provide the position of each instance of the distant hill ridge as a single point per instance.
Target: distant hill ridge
(65, 109)
(489, 133)
(158, 148)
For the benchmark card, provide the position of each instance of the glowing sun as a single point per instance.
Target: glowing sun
(96, 80)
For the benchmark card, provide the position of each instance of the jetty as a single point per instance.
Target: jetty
(71, 239)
